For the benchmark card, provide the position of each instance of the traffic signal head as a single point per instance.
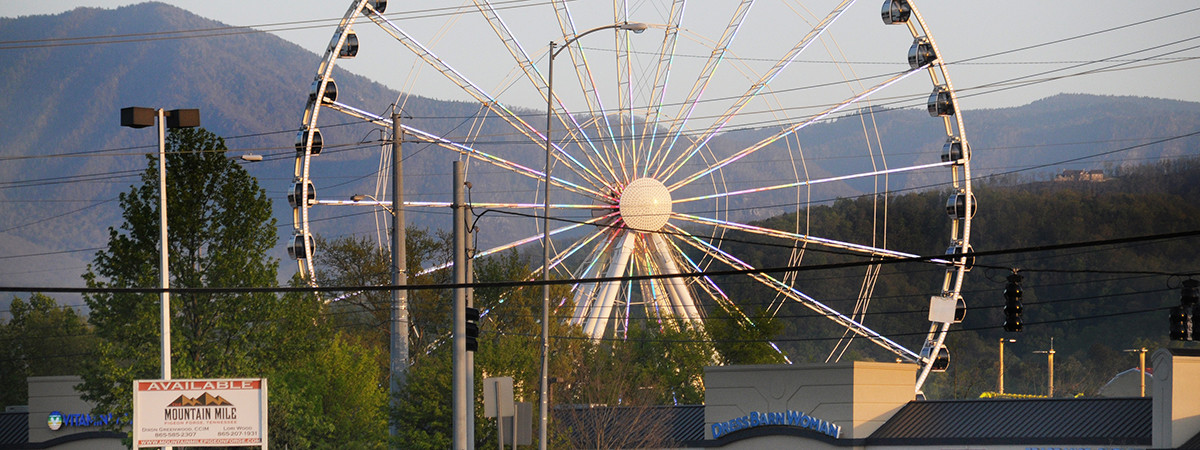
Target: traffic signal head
(1181, 323)
(1012, 304)
(1190, 294)
(472, 329)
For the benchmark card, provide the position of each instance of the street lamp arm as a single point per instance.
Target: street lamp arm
(636, 27)
(358, 198)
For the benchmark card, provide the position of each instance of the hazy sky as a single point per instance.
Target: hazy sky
(962, 29)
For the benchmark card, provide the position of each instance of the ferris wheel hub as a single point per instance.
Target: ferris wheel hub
(645, 204)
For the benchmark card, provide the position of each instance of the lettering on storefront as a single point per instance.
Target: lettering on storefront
(788, 418)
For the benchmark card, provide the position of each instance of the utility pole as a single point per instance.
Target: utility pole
(459, 311)
(469, 265)
(399, 322)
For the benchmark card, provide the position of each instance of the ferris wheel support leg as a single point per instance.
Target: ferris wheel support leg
(597, 319)
(681, 298)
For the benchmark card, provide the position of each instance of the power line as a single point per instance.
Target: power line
(504, 284)
(233, 30)
(90, 332)
(46, 219)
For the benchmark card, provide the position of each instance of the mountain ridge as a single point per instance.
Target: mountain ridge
(251, 87)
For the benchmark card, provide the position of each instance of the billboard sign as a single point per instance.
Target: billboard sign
(200, 413)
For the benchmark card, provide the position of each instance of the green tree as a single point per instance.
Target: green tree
(359, 261)
(744, 339)
(220, 230)
(331, 398)
(423, 414)
(41, 339)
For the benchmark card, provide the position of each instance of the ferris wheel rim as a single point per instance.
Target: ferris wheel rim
(308, 144)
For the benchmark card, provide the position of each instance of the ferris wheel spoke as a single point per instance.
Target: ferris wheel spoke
(518, 243)
(755, 89)
(606, 146)
(794, 128)
(468, 151)
(865, 250)
(559, 260)
(701, 84)
(662, 73)
(718, 295)
(571, 125)
(591, 267)
(813, 182)
(597, 119)
(804, 299)
(494, 105)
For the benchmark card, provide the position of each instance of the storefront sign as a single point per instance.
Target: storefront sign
(58, 420)
(788, 418)
(200, 413)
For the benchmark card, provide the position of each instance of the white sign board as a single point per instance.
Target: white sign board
(941, 309)
(498, 397)
(200, 413)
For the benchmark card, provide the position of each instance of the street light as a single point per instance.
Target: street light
(1141, 367)
(1000, 382)
(543, 397)
(136, 117)
(1050, 364)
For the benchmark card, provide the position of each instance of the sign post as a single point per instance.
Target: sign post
(498, 403)
(200, 413)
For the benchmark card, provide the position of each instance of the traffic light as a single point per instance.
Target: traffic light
(1181, 321)
(1181, 316)
(1012, 304)
(472, 329)
(1190, 295)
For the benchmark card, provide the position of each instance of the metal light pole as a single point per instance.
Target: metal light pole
(1000, 381)
(1141, 367)
(1050, 362)
(544, 394)
(138, 117)
(163, 254)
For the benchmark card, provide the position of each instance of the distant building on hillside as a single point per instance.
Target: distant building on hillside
(1080, 175)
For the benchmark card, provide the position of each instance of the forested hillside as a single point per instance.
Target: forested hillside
(1095, 301)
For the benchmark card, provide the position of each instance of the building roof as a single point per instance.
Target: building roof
(1064, 421)
(610, 427)
(14, 428)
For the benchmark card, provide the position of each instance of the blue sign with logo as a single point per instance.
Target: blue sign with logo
(58, 420)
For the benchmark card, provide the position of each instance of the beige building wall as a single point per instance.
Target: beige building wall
(856, 396)
(1176, 397)
(48, 394)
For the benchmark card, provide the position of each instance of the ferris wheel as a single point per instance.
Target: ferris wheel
(676, 126)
